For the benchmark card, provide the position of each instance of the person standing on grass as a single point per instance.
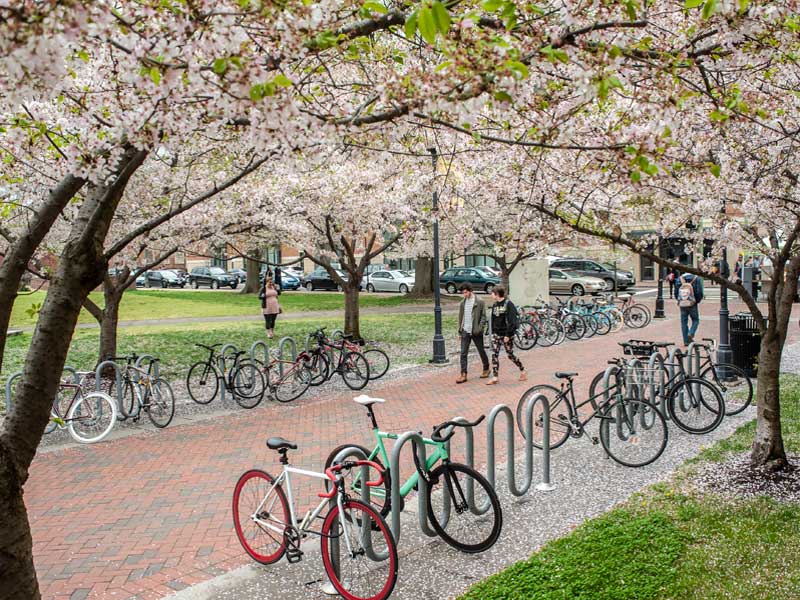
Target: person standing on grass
(689, 292)
(270, 307)
(505, 320)
(471, 321)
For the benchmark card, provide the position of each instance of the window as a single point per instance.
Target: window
(479, 260)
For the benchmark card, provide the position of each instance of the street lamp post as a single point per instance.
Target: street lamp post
(724, 353)
(659, 314)
(439, 353)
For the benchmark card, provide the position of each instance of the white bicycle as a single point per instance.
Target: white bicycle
(89, 417)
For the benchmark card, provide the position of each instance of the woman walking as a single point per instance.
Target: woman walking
(505, 320)
(270, 307)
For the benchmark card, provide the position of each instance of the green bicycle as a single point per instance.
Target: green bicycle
(463, 508)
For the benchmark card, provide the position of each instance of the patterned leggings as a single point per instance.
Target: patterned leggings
(497, 341)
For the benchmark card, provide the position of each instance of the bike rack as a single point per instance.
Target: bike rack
(223, 369)
(288, 340)
(263, 347)
(9, 390)
(153, 361)
(121, 413)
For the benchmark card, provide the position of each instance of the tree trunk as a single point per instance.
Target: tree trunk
(504, 281)
(423, 277)
(253, 270)
(351, 317)
(109, 326)
(22, 250)
(81, 268)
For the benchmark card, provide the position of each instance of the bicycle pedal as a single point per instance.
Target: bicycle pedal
(293, 555)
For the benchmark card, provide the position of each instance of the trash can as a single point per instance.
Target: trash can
(745, 342)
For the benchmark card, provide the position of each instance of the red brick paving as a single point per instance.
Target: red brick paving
(148, 514)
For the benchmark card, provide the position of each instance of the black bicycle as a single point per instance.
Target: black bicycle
(632, 431)
(732, 382)
(329, 358)
(243, 379)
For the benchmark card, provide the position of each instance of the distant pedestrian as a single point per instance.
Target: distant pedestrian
(670, 279)
(277, 279)
(505, 320)
(270, 307)
(471, 322)
(689, 292)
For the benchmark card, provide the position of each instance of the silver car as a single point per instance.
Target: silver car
(572, 283)
(389, 281)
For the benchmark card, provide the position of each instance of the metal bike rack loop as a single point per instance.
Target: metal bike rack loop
(9, 388)
(121, 412)
(222, 365)
(152, 360)
(286, 341)
(263, 347)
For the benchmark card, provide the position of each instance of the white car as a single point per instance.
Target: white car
(388, 281)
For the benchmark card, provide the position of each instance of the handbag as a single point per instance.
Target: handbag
(261, 294)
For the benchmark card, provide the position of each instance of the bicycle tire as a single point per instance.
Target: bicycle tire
(90, 424)
(629, 418)
(636, 316)
(355, 370)
(526, 336)
(546, 333)
(379, 498)
(247, 384)
(617, 385)
(617, 319)
(457, 491)
(574, 327)
(560, 415)
(734, 404)
(603, 323)
(299, 378)
(710, 407)
(161, 406)
(562, 332)
(318, 367)
(127, 406)
(378, 362)
(334, 527)
(250, 500)
(202, 376)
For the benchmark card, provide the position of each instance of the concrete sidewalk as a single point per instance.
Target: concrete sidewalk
(146, 515)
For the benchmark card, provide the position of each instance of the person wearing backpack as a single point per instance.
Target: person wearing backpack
(505, 320)
(689, 292)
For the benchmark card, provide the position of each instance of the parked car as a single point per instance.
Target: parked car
(240, 274)
(296, 272)
(183, 276)
(141, 279)
(388, 281)
(452, 279)
(319, 279)
(289, 282)
(571, 283)
(162, 279)
(591, 268)
(493, 271)
(214, 277)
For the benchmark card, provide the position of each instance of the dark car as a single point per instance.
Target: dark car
(214, 277)
(452, 279)
(162, 279)
(183, 276)
(591, 268)
(240, 274)
(289, 282)
(319, 279)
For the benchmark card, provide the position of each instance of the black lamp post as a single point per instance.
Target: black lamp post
(724, 353)
(439, 353)
(659, 314)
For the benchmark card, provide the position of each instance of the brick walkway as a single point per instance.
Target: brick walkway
(144, 516)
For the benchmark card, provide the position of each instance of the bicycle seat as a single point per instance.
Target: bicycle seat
(278, 443)
(709, 340)
(365, 400)
(565, 375)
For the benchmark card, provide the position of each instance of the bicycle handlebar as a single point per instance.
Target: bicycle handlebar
(209, 348)
(441, 439)
(347, 465)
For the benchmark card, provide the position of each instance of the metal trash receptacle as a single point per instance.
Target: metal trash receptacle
(745, 342)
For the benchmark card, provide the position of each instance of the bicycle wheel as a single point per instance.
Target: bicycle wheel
(734, 385)
(378, 363)
(202, 383)
(636, 316)
(560, 413)
(260, 516)
(160, 405)
(367, 553)
(379, 497)
(91, 418)
(292, 384)
(617, 320)
(603, 323)
(695, 405)
(247, 384)
(467, 528)
(574, 327)
(127, 404)
(562, 332)
(616, 385)
(591, 326)
(318, 367)
(355, 370)
(525, 336)
(633, 432)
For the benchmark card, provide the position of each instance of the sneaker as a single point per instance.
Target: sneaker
(462, 378)
(523, 376)
(492, 381)
(485, 374)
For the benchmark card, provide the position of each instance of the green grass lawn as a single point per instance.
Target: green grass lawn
(404, 337)
(157, 304)
(670, 543)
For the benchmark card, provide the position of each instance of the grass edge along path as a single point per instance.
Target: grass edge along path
(672, 541)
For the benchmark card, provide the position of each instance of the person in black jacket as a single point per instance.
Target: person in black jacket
(505, 320)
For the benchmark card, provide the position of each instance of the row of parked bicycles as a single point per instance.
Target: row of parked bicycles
(550, 324)
(249, 379)
(633, 400)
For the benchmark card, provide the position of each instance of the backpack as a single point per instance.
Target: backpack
(686, 294)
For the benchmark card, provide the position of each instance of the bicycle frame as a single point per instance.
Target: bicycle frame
(568, 395)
